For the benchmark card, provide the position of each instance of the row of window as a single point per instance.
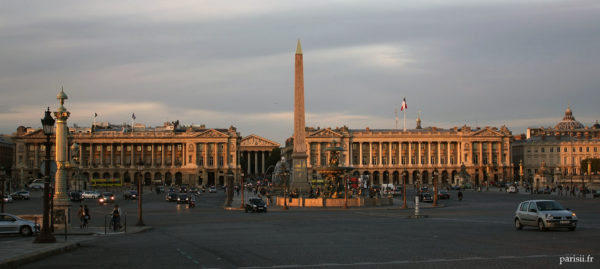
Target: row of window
(565, 149)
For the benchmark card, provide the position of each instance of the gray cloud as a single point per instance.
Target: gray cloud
(512, 62)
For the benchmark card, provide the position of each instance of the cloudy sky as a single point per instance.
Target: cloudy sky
(482, 63)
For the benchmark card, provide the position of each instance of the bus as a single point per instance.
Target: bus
(107, 182)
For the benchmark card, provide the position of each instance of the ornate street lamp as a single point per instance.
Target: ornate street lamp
(2, 181)
(242, 188)
(140, 165)
(229, 188)
(284, 175)
(405, 173)
(435, 191)
(45, 235)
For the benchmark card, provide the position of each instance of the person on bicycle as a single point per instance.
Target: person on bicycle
(116, 218)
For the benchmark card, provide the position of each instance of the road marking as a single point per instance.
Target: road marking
(404, 261)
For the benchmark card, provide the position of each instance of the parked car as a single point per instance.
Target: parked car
(76, 196)
(7, 198)
(544, 214)
(171, 197)
(398, 191)
(36, 184)
(182, 198)
(106, 197)
(512, 189)
(90, 195)
(255, 205)
(212, 189)
(20, 195)
(427, 198)
(443, 194)
(595, 193)
(130, 194)
(10, 223)
(455, 187)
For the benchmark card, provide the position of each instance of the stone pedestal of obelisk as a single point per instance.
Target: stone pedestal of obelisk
(299, 156)
(62, 204)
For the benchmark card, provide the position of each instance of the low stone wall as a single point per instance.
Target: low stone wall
(383, 201)
(330, 202)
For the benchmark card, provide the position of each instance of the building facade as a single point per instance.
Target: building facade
(255, 151)
(170, 154)
(555, 154)
(388, 156)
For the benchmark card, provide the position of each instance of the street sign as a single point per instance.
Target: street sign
(52, 168)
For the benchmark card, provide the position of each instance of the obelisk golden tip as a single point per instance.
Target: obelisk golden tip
(298, 48)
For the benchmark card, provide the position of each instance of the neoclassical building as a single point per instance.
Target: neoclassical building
(170, 154)
(386, 156)
(559, 149)
(255, 150)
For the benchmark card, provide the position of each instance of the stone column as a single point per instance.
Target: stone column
(163, 150)
(173, 154)
(101, 154)
(91, 154)
(153, 164)
(36, 148)
(419, 145)
(263, 161)
(390, 154)
(439, 154)
(380, 153)
(122, 155)
(410, 153)
(61, 198)
(81, 155)
(360, 152)
(448, 146)
(132, 163)
(428, 162)
(256, 162)
(370, 162)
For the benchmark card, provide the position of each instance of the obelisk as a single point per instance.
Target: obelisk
(299, 156)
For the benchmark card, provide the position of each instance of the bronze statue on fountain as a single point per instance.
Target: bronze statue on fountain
(333, 172)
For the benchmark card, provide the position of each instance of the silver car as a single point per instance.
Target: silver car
(544, 214)
(10, 223)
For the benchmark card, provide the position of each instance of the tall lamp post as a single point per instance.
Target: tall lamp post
(405, 173)
(435, 191)
(284, 174)
(229, 188)
(2, 181)
(242, 189)
(140, 190)
(45, 235)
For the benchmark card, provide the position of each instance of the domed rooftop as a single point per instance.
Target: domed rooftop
(568, 122)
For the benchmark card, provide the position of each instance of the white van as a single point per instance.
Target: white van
(36, 184)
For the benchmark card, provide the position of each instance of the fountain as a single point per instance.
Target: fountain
(333, 173)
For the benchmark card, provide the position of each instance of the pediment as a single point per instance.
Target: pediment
(325, 133)
(487, 132)
(255, 140)
(212, 133)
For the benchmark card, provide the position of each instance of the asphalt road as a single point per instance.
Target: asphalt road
(477, 232)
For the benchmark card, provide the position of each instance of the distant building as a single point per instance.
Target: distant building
(255, 151)
(386, 156)
(171, 154)
(558, 150)
(7, 155)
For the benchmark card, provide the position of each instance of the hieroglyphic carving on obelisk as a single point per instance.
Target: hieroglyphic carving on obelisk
(299, 156)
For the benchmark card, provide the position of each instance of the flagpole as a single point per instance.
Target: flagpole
(405, 120)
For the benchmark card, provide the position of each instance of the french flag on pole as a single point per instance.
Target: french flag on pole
(403, 107)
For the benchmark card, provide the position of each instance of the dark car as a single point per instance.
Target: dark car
(106, 197)
(426, 197)
(171, 197)
(182, 198)
(255, 205)
(76, 196)
(443, 194)
(20, 195)
(131, 194)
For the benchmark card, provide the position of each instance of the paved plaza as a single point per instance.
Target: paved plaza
(475, 232)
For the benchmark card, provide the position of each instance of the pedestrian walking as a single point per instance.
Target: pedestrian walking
(86, 216)
(80, 214)
(116, 218)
